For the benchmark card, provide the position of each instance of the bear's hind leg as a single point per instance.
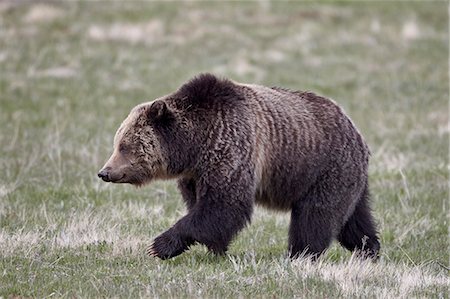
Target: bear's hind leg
(359, 232)
(310, 231)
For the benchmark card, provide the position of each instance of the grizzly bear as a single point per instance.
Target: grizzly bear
(233, 145)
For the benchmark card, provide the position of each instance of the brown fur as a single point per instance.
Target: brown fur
(232, 145)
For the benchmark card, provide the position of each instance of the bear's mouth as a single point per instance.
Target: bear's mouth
(119, 180)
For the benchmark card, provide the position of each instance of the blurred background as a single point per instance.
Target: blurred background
(71, 71)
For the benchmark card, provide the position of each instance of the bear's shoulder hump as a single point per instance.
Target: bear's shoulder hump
(206, 88)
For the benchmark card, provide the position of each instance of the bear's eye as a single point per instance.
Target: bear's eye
(123, 148)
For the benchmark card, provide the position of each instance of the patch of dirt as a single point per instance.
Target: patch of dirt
(132, 33)
(57, 72)
(410, 30)
(43, 13)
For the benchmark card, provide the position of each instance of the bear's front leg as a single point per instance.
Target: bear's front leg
(169, 244)
(223, 208)
(188, 193)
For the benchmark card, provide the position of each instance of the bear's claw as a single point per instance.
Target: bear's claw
(167, 245)
(151, 250)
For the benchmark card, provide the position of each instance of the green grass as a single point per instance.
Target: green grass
(70, 72)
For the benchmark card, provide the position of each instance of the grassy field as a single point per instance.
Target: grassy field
(70, 72)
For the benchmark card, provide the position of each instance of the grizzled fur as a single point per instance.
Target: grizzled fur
(232, 145)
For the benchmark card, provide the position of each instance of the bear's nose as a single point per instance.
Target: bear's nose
(104, 175)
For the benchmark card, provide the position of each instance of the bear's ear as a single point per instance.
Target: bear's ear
(158, 111)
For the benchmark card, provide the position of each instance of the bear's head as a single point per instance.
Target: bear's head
(153, 142)
(164, 139)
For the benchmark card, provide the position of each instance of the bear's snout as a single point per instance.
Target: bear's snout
(111, 175)
(104, 175)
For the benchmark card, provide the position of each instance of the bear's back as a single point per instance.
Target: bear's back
(290, 139)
